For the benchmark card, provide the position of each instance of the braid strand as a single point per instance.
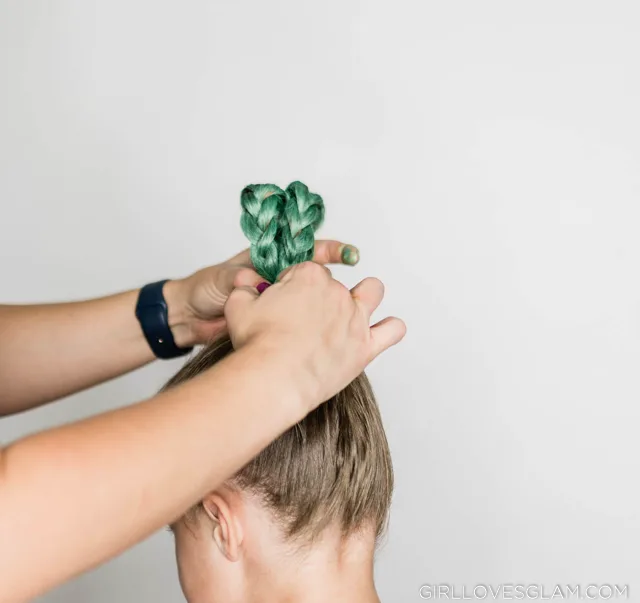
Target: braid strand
(280, 225)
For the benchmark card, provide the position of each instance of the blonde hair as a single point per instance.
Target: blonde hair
(333, 467)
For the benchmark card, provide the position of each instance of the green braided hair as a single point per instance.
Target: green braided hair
(280, 225)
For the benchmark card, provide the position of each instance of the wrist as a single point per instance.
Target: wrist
(283, 364)
(178, 314)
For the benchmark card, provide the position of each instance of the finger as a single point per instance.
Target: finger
(309, 267)
(368, 294)
(229, 277)
(239, 301)
(335, 252)
(243, 258)
(325, 252)
(386, 333)
(245, 277)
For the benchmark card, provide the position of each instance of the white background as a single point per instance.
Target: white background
(485, 158)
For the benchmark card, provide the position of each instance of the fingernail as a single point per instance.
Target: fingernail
(262, 286)
(350, 255)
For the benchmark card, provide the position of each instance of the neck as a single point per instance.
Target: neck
(334, 569)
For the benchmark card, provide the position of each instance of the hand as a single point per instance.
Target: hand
(196, 303)
(315, 326)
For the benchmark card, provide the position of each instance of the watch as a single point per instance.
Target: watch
(152, 314)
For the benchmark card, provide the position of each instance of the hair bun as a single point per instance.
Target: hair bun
(280, 224)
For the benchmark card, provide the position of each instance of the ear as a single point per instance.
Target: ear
(222, 508)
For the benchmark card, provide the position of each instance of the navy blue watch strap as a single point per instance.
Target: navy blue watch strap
(152, 314)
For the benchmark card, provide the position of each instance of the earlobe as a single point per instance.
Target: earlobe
(227, 533)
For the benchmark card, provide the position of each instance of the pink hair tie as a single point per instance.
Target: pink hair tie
(262, 286)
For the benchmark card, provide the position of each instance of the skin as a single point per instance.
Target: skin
(234, 551)
(75, 496)
(78, 345)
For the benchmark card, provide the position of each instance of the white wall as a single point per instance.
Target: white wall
(483, 155)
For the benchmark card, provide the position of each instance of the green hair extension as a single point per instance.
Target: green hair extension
(280, 224)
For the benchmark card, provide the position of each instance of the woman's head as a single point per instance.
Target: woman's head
(330, 474)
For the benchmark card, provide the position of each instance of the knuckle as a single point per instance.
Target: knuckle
(243, 276)
(310, 266)
(339, 290)
(311, 270)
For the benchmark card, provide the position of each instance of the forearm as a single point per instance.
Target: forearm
(52, 350)
(75, 496)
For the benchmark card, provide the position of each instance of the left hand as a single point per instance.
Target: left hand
(196, 302)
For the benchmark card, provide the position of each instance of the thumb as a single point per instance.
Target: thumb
(386, 333)
(230, 276)
(245, 277)
(239, 302)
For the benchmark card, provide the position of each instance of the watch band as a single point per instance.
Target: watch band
(152, 314)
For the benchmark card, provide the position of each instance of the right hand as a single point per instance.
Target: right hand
(316, 325)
